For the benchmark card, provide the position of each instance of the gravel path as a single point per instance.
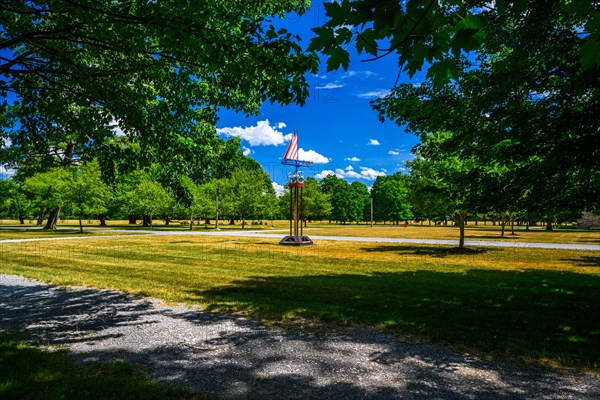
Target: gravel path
(225, 356)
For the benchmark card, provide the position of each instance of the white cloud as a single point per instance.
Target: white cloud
(353, 159)
(6, 173)
(262, 134)
(373, 142)
(349, 168)
(247, 151)
(330, 86)
(114, 125)
(370, 174)
(373, 94)
(312, 156)
(393, 153)
(359, 74)
(279, 189)
(365, 173)
(325, 173)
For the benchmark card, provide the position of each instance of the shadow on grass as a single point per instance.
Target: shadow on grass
(529, 315)
(30, 373)
(227, 357)
(585, 261)
(434, 251)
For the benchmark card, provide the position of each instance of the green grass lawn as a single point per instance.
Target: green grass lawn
(528, 305)
(31, 373)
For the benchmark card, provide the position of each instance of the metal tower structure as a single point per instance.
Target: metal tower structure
(296, 185)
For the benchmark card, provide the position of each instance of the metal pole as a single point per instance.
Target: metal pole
(217, 212)
(291, 207)
(301, 209)
(371, 212)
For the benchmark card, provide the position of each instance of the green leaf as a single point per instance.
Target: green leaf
(323, 40)
(465, 39)
(590, 53)
(337, 57)
(366, 41)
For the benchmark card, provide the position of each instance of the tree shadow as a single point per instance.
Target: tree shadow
(522, 314)
(225, 356)
(434, 251)
(584, 261)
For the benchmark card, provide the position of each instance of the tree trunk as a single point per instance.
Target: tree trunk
(512, 228)
(102, 219)
(231, 221)
(147, 221)
(549, 225)
(243, 221)
(461, 227)
(52, 219)
(502, 224)
(21, 219)
(167, 221)
(132, 219)
(80, 225)
(191, 222)
(40, 217)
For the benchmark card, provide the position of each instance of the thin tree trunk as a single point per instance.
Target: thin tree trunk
(461, 227)
(512, 227)
(167, 221)
(52, 219)
(502, 223)
(40, 217)
(80, 225)
(191, 221)
(21, 219)
(102, 219)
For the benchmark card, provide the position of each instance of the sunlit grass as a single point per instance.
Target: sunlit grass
(514, 303)
(472, 232)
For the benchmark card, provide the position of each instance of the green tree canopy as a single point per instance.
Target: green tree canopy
(390, 198)
(137, 81)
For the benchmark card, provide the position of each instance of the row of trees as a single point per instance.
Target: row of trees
(79, 191)
(507, 114)
(434, 191)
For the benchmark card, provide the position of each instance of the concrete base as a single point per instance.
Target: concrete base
(296, 241)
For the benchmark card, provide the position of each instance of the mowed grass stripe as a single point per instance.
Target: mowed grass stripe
(524, 304)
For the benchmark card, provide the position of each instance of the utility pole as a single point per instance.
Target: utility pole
(217, 207)
(371, 212)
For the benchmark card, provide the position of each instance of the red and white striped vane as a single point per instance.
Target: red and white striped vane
(292, 150)
(291, 154)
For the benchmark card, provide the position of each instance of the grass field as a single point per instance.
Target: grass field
(528, 305)
(413, 231)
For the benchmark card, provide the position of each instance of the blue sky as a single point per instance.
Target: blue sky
(337, 128)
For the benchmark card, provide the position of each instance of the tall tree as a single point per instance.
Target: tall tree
(47, 192)
(136, 82)
(86, 193)
(447, 183)
(390, 198)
